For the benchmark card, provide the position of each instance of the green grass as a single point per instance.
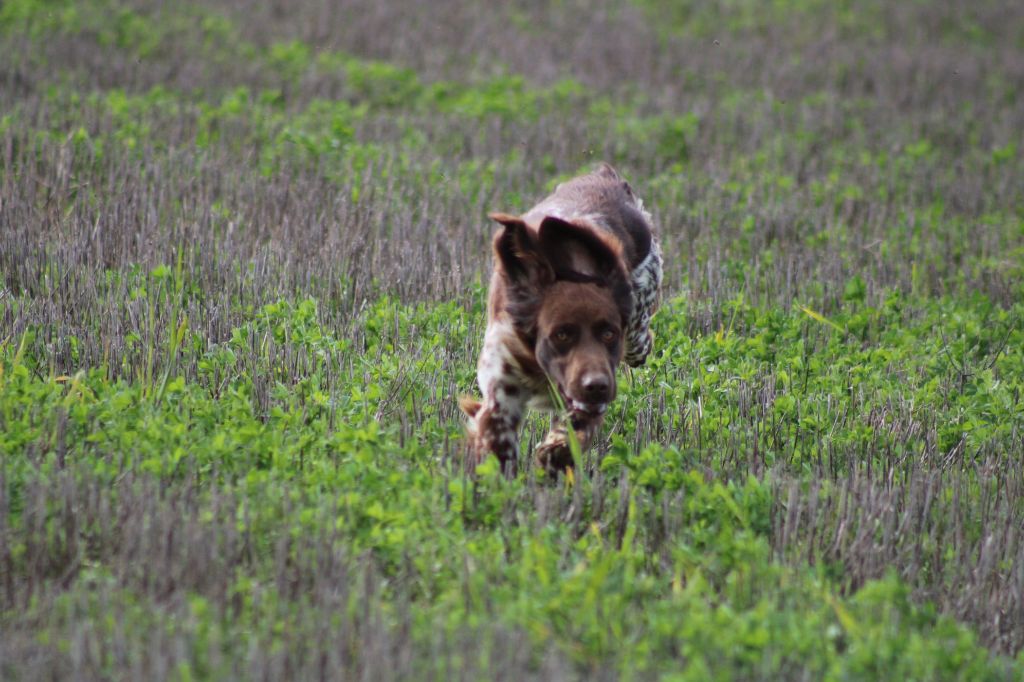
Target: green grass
(242, 266)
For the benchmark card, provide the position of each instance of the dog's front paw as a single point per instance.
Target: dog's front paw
(554, 456)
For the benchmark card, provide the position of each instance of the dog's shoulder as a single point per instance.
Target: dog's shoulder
(508, 357)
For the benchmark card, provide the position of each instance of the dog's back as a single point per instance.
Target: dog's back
(606, 201)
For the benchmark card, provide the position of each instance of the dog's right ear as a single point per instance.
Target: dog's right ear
(519, 253)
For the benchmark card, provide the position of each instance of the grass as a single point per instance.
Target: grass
(243, 257)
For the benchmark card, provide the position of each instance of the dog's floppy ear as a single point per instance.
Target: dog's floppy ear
(574, 250)
(520, 256)
(469, 406)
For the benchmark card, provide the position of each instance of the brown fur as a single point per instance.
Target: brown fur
(560, 300)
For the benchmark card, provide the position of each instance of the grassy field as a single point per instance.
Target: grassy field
(243, 256)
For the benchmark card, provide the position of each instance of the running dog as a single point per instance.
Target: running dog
(576, 280)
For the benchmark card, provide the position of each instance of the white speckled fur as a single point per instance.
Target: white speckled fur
(495, 355)
(646, 285)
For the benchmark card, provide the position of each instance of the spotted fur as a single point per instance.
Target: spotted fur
(585, 253)
(646, 279)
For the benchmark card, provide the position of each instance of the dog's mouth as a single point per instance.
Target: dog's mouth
(592, 409)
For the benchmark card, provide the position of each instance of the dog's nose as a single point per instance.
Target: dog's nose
(596, 388)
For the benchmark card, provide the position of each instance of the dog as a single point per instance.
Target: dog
(576, 280)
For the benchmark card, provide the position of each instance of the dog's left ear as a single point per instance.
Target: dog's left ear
(574, 249)
(469, 406)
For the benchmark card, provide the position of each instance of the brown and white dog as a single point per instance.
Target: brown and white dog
(576, 280)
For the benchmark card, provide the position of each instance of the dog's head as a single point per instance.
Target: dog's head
(569, 296)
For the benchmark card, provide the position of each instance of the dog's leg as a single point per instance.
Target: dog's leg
(495, 427)
(554, 454)
(494, 424)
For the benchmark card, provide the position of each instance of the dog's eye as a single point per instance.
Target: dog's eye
(563, 337)
(608, 335)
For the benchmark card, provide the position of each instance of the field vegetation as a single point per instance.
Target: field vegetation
(243, 262)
